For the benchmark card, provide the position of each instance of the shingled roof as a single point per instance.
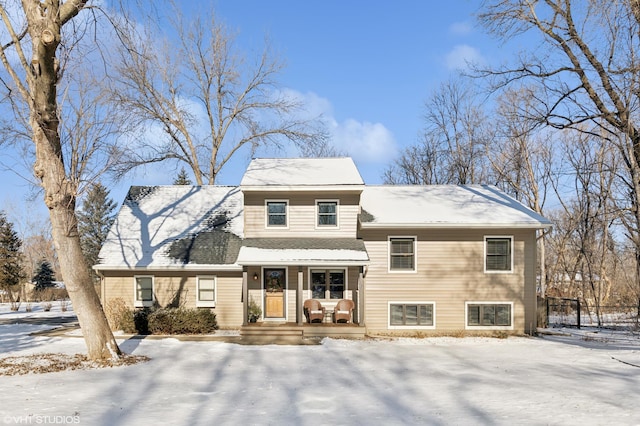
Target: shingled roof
(179, 225)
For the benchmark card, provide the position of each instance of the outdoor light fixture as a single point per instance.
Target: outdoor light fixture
(255, 276)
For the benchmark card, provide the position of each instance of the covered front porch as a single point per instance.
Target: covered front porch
(279, 276)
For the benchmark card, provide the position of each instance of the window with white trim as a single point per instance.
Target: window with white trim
(327, 284)
(143, 291)
(489, 315)
(277, 213)
(402, 254)
(327, 213)
(206, 291)
(498, 254)
(410, 315)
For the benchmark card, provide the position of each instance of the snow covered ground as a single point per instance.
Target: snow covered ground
(586, 378)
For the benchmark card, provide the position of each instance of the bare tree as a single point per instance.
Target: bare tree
(201, 99)
(521, 158)
(30, 57)
(590, 250)
(587, 73)
(454, 142)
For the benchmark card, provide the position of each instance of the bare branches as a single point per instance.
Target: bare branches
(205, 101)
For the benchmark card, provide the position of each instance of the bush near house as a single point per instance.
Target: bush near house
(159, 320)
(182, 321)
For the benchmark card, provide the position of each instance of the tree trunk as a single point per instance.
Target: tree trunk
(44, 23)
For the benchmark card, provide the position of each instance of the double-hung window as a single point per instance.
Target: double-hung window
(402, 254)
(143, 291)
(277, 213)
(327, 213)
(206, 291)
(498, 254)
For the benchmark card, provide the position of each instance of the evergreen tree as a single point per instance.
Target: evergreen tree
(44, 276)
(11, 271)
(183, 178)
(94, 220)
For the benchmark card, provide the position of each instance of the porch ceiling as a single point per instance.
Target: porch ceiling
(302, 251)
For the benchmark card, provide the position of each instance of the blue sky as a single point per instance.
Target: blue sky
(367, 66)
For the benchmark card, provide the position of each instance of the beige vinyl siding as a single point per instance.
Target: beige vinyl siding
(179, 289)
(302, 217)
(450, 271)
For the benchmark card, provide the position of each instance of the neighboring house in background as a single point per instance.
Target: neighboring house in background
(425, 258)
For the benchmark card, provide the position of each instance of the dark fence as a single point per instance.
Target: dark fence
(565, 312)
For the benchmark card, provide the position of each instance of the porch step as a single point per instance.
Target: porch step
(258, 334)
(270, 331)
(292, 331)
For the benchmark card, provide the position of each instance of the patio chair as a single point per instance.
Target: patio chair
(343, 311)
(313, 310)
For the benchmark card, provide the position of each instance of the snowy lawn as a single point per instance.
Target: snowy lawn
(588, 379)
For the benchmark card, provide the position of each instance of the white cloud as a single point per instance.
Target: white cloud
(460, 28)
(361, 140)
(364, 141)
(461, 56)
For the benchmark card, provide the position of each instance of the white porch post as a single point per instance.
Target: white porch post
(245, 295)
(299, 313)
(361, 297)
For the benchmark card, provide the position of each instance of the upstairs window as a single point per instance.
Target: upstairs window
(327, 213)
(498, 257)
(277, 214)
(402, 254)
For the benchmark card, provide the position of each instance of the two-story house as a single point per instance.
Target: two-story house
(424, 258)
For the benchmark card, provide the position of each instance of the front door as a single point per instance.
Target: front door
(274, 292)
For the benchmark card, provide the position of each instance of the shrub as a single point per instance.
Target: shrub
(182, 321)
(141, 320)
(120, 316)
(46, 306)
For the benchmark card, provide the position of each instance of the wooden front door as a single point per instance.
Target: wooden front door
(274, 292)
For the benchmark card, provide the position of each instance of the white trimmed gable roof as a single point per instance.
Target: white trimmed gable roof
(445, 206)
(296, 172)
(180, 225)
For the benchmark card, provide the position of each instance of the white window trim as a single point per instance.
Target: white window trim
(487, 327)
(143, 303)
(337, 225)
(415, 254)
(266, 214)
(410, 327)
(484, 259)
(206, 303)
(345, 271)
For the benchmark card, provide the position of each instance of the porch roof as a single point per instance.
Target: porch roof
(302, 251)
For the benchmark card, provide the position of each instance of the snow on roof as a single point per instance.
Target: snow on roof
(445, 206)
(302, 251)
(163, 226)
(301, 172)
